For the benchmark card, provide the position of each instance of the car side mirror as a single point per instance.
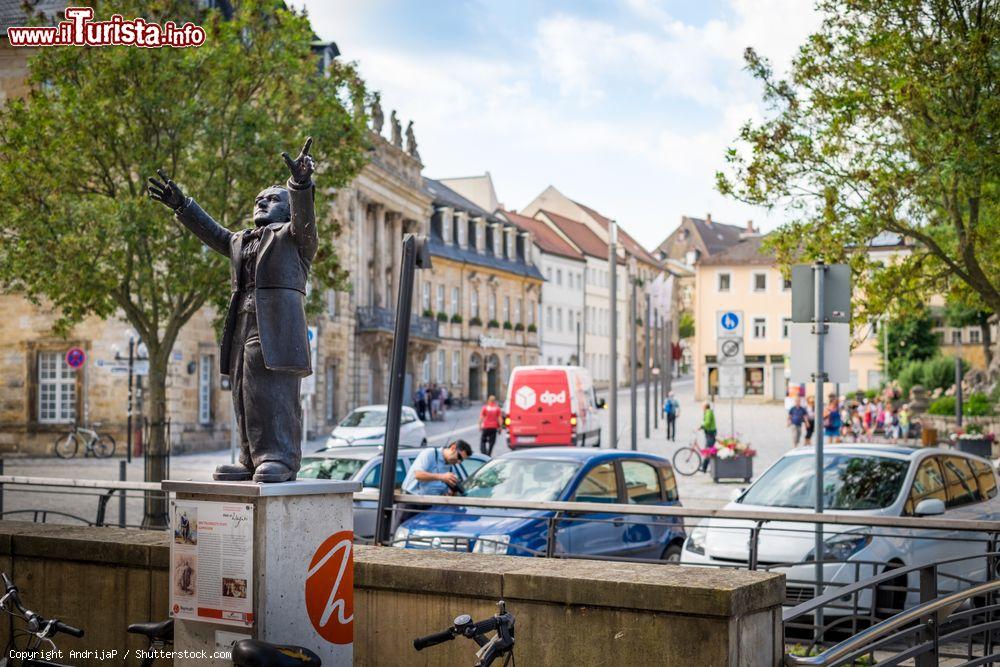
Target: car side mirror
(929, 507)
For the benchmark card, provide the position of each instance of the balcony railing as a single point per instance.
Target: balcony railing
(373, 318)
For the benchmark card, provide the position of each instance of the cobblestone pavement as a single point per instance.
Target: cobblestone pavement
(762, 424)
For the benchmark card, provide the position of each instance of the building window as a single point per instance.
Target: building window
(558, 276)
(786, 284)
(956, 337)
(724, 282)
(759, 327)
(493, 306)
(331, 393)
(440, 298)
(786, 323)
(474, 303)
(760, 282)
(548, 273)
(548, 317)
(331, 303)
(426, 296)
(559, 326)
(519, 312)
(510, 246)
(205, 389)
(531, 312)
(56, 389)
(454, 301)
(975, 336)
(456, 363)
(460, 230)
(506, 309)
(440, 368)
(425, 370)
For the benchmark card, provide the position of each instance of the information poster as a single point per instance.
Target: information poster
(211, 562)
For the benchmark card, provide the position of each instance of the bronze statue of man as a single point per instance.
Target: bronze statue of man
(265, 345)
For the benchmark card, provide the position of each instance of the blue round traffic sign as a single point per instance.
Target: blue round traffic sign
(730, 320)
(75, 357)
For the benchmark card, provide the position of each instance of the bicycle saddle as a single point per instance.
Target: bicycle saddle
(253, 653)
(162, 631)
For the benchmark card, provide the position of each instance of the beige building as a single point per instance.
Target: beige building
(483, 291)
(744, 278)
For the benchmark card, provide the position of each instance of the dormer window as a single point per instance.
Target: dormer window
(511, 252)
(461, 230)
(446, 226)
(480, 238)
(496, 240)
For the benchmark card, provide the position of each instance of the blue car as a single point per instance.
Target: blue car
(558, 474)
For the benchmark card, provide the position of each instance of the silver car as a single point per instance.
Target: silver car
(366, 426)
(364, 464)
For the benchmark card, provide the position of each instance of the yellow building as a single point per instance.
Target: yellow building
(744, 278)
(483, 290)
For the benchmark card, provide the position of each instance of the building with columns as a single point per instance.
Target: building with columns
(483, 292)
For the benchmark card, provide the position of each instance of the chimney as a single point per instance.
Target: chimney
(708, 218)
(750, 229)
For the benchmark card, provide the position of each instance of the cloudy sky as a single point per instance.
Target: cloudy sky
(625, 105)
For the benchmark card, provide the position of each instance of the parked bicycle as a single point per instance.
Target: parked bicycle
(100, 445)
(37, 633)
(246, 652)
(501, 645)
(688, 459)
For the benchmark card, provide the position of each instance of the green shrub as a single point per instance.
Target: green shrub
(507, 325)
(493, 324)
(518, 327)
(977, 405)
(442, 317)
(942, 406)
(532, 328)
(871, 394)
(456, 318)
(476, 321)
(935, 373)
(428, 312)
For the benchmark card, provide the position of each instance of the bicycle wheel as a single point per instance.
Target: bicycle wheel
(687, 461)
(66, 445)
(104, 447)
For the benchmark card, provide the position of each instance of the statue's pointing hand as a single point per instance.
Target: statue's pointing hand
(303, 166)
(166, 191)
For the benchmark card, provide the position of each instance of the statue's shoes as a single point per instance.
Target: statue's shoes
(232, 472)
(272, 471)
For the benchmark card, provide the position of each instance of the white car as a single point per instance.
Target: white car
(366, 426)
(866, 480)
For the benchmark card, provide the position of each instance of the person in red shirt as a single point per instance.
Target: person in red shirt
(489, 424)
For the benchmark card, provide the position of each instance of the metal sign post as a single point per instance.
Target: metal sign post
(819, 270)
(613, 347)
(632, 358)
(650, 362)
(415, 255)
(731, 360)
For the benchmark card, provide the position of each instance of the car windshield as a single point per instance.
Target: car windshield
(850, 482)
(336, 469)
(520, 479)
(363, 418)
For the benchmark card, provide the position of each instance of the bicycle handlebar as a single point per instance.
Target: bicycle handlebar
(434, 639)
(36, 623)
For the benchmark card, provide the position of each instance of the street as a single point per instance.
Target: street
(763, 425)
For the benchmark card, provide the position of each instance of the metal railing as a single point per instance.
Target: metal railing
(960, 625)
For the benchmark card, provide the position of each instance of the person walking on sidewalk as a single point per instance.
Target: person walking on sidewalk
(489, 424)
(671, 409)
(708, 426)
(797, 416)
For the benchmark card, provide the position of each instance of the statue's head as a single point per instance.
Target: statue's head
(271, 205)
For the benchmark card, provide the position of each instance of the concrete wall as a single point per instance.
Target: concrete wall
(567, 612)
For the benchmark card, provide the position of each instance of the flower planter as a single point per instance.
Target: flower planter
(975, 446)
(737, 467)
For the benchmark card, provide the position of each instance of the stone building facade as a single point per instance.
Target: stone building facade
(483, 291)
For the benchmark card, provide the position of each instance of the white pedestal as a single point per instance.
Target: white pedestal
(302, 557)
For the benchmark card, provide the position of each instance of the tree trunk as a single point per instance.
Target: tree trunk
(157, 450)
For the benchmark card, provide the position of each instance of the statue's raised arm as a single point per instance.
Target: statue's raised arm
(201, 224)
(301, 193)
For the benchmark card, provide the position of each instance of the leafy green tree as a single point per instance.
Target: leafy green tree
(685, 327)
(910, 338)
(79, 231)
(888, 125)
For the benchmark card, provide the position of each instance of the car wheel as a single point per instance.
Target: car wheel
(672, 554)
(890, 597)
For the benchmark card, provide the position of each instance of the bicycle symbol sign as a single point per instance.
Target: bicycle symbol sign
(75, 357)
(730, 320)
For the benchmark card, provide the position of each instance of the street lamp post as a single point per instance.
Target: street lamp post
(613, 346)
(648, 358)
(658, 363)
(633, 354)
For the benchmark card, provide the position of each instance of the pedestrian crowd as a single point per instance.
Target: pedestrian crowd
(852, 418)
(431, 401)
